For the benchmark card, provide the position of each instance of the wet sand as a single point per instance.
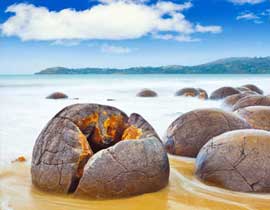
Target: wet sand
(184, 192)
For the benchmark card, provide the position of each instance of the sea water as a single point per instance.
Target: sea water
(24, 111)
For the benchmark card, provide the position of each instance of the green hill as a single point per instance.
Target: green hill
(242, 65)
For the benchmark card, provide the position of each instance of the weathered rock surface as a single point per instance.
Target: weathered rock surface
(253, 100)
(57, 95)
(189, 132)
(84, 141)
(223, 93)
(230, 101)
(147, 93)
(134, 167)
(254, 88)
(237, 160)
(257, 116)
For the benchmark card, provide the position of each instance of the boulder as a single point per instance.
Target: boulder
(57, 95)
(253, 100)
(189, 132)
(237, 160)
(147, 93)
(230, 101)
(258, 117)
(192, 92)
(98, 151)
(254, 88)
(223, 93)
(203, 94)
(243, 89)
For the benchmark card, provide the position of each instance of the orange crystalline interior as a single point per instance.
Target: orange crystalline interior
(132, 132)
(100, 130)
(96, 136)
(114, 127)
(189, 94)
(202, 95)
(85, 154)
(85, 122)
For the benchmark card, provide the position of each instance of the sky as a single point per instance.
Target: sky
(37, 34)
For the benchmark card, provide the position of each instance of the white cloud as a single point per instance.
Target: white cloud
(67, 43)
(241, 2)
(206, 29)
(167, 6)
(247, 16)
(126, 1)
(106, 48)
(179, 38)
(110, 20)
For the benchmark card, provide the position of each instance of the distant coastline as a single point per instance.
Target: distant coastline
(237, 65)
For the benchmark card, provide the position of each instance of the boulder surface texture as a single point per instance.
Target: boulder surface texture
(237, 160)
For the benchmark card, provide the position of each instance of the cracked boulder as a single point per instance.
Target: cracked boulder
(253, 100)
(257, 116)
(147, 93)
(192, 92)
(237, 160)
(57, 95)
(189, 132)
(223, 92)
(98, 151)
(253, 88)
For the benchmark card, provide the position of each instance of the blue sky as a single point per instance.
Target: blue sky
(37, 34)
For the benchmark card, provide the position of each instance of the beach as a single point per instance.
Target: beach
(25, 111)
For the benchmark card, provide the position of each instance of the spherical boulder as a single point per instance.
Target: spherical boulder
(57, 95)
(237, 160)
(189, 132)
(257, 116)
(243, 89)
(254, 88)
(147, 93)
(202, 94)
(192, 92)
(253, 100)
(223, 93)
(98, 151)
(230, 101)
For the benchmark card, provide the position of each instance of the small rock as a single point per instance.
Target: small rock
(147, 93)
(57, 95)
(19, 159)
